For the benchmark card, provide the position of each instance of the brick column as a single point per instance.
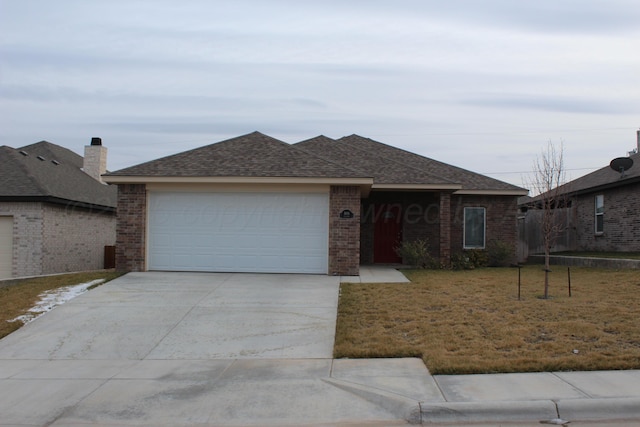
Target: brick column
(445, 228)
(344, 233)
(130, 227)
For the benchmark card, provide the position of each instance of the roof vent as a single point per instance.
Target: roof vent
(42, 159)
(24, 153)
(96, 141)
(55, 162)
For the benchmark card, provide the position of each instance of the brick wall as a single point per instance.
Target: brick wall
(50, 238)
(74, 238)
(27, 237)
(501, 218)
(445, 229)
(621, 220)
(344, 233)
(131, 227)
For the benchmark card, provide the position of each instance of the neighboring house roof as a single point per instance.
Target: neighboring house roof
(47, 172)
(356, 158)
(254, 155)
(599, 180)
(605, 178)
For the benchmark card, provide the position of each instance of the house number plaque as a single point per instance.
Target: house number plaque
(346, 214)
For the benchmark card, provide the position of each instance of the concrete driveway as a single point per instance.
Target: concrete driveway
(197, 349)
(169, 316)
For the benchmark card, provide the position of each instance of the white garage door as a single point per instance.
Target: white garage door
(239, 232)
(6, 246)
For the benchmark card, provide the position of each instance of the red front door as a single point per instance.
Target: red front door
(387, 233)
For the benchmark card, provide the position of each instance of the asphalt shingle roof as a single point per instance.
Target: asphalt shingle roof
(49, 172)
(383, 169)
(604, 177)
(259, 155)
(251, 155)
(411, 167)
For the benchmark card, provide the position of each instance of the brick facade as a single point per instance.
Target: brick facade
(438, 218)
(344, 233)
(51, 238)
(351, 240)
(445, 229)
(131, 227)
(621, 220)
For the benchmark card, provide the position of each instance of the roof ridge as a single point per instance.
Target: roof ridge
(324, 158)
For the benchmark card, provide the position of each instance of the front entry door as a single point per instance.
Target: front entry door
(387, 233)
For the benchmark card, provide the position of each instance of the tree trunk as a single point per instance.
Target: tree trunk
(546, 273)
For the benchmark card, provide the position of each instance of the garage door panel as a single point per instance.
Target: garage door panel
(246, 232)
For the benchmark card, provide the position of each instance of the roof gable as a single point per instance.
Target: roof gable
(48, 172)
(251, 155)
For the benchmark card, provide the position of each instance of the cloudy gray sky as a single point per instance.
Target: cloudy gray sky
(483, 85)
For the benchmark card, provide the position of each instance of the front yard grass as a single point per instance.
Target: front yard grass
(17, 297)
(462, 322)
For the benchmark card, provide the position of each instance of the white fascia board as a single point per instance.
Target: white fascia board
(492, 192)
(117, 179)
(416, 187)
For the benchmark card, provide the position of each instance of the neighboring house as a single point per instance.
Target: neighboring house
(257, 204)
(603, 212)
(55, 213)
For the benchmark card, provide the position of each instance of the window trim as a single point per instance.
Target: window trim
(598, 214)
(484, 228)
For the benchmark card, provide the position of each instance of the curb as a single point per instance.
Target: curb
(456, 412)
(537, 410)
(600, 409)
(400, 406)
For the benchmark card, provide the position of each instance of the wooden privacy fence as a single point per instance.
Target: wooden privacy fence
(530, 236)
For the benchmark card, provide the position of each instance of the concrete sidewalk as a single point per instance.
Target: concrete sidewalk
(326, 392)
(376, 274)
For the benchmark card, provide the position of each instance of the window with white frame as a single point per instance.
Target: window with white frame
(599, 214)
(474, 228)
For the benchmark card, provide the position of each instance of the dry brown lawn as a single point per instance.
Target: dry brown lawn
(17, 297)
(472, 321)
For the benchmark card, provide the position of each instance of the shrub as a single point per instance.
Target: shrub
(500, 254)
(416, 253)
(469, 259)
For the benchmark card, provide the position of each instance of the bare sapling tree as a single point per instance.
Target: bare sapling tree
(549, 181)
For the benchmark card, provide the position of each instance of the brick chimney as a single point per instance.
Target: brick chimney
(95, 159)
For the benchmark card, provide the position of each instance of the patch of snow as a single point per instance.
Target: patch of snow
(51, 299)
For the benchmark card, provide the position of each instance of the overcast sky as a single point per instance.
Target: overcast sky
(483, 85)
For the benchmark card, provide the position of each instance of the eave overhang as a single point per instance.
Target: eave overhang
(417, 187)
(464, 192)
(364, 183)
(59, 201)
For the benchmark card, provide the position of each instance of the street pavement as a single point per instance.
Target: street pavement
(218, 349)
